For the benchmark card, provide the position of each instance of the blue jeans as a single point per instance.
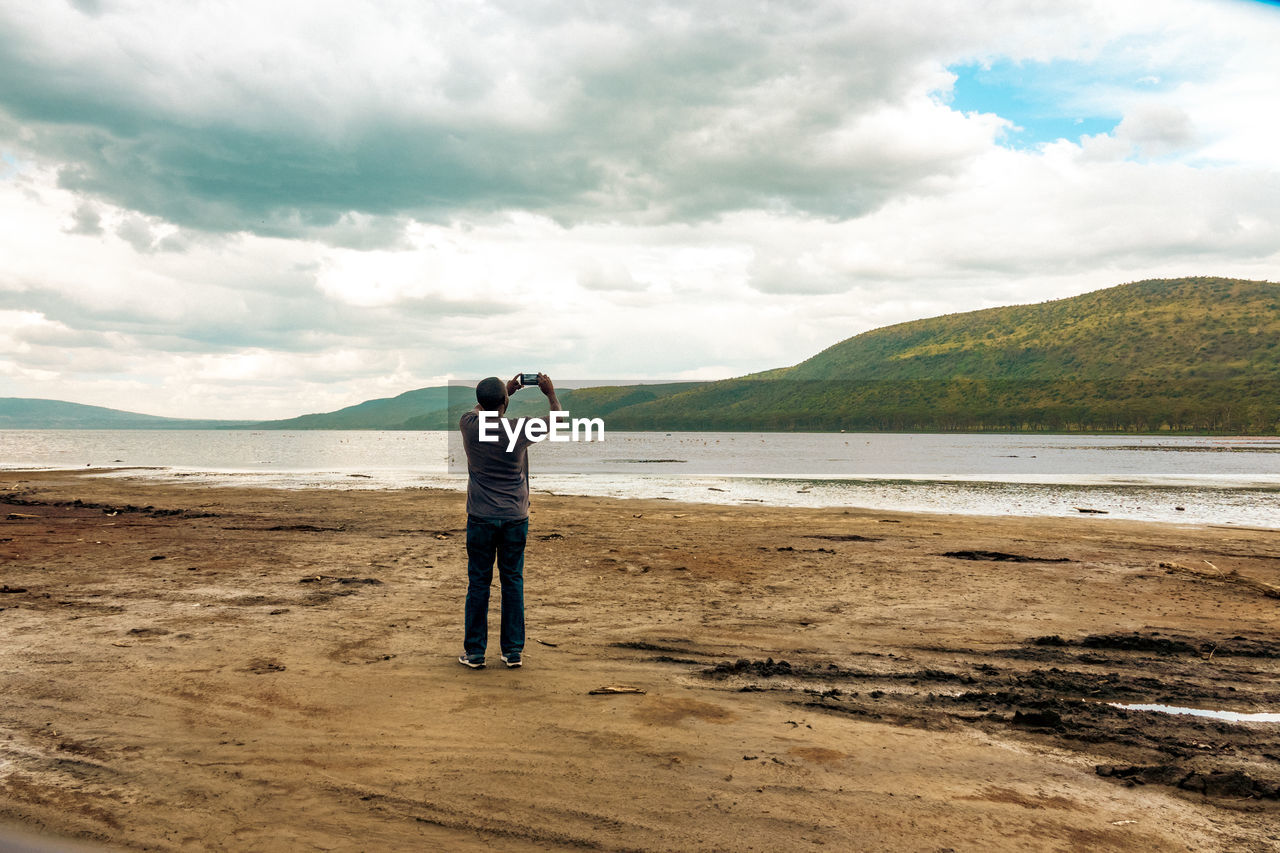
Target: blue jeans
(487, 538)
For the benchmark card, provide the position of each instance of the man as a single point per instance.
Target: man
(497, 521)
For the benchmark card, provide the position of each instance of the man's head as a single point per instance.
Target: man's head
(491, 394)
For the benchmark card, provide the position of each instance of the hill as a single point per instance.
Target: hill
(382, 413)
(1185, 355)
(1196, 328)
(35, 413)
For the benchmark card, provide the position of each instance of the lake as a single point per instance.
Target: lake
(1215, 480)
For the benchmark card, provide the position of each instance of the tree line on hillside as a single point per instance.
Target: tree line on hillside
(1143, 406)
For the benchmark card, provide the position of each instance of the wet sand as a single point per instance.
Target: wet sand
(235, 669)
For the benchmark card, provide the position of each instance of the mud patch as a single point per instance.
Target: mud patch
(668, 711)
(1216, 783)
(1007, 795)
(90, 607)
(1155, 642)
(106, 509)
(769, 668)
(1001, 557)
(149, 632)
(819, 754)
(261, 666)
(642, 646)
(1066, 706)
(258, 601)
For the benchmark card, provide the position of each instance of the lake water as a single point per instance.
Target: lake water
(1215, 480)
(1228, 716)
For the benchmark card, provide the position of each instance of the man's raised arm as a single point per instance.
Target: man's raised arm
(545, 386)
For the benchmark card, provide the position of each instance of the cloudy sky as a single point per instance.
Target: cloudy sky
(246, 209)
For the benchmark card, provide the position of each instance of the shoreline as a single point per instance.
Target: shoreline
(190, 667)
(1212, 480)
(1246, 436)
(1063, 509)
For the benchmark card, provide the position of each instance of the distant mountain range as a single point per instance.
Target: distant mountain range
(1181, 355)
(383, 413)
(33, 413)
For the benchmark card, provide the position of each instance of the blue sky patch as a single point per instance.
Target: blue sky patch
(8, 165)
(1046, 100)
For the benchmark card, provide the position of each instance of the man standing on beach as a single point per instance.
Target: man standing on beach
(497, 520)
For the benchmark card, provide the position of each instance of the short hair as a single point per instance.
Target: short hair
(491, 393)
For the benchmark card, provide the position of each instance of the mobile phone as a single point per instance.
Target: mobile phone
(528, 379)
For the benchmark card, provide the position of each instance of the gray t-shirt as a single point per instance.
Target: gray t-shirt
(497, 479)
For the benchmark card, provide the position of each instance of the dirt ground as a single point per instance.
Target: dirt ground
(190, 668)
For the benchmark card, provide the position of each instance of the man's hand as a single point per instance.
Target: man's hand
(513, 384)
(545, 386)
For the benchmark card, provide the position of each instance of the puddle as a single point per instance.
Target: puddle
(1228, 716)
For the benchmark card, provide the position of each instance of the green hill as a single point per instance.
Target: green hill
(1185, 355)
(382, 413)
(35, 413)
(1196, 328)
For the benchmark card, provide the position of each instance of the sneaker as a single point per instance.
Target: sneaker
(473, 662)
(512, 660)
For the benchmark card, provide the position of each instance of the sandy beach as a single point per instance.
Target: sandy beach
(250, 669)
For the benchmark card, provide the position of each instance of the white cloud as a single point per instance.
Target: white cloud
(85, 220)
(241, 227)
(1158, 130)
(608, 275)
